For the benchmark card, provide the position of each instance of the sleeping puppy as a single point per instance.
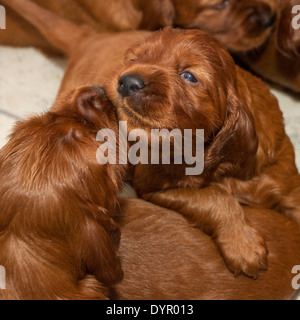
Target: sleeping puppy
(187, 80)
(241, 25)
(56, 202)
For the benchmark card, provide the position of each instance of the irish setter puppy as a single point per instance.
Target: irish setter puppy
(56, 201)
(241, 25)
(187, 80)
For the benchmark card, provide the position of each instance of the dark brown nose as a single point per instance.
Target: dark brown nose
(130, 84)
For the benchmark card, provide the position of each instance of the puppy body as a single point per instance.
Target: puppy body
(165, 258)
(56, 201)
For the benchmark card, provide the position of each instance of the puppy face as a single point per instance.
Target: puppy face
(185, 80)
(241, 25)
(175, 80)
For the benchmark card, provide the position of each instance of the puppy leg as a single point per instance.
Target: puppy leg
(220, 216)
(90, 289)
(98, 252)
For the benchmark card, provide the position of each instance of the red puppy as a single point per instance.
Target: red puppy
(187, 80)
(56, 201)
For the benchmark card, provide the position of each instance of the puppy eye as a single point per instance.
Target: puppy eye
(222, 5)
(190, 77)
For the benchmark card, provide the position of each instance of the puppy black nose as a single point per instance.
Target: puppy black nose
(267, 20)
(129, 84)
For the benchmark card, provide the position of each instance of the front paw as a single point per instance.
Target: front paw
(244, 250)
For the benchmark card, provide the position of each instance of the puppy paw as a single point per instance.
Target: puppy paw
(244, 251)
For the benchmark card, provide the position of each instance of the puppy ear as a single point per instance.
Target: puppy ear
(157, 14)
(233, 150)
(90, 104)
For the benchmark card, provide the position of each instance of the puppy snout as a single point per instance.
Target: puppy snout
(130, 84)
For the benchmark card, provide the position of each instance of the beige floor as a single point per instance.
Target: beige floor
(29, 82)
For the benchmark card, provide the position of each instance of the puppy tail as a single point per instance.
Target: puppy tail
(61, 33)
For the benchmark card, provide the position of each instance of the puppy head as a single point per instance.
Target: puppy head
(55, 153)
(88, 111)
(187, 80)
(241, 25)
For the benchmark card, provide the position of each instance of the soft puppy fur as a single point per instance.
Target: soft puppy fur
(240, 24)
(150, 240)
(104, 15)
(237, 109)
(56, 203)
(186, 80)
(165, 258)
(245, 27)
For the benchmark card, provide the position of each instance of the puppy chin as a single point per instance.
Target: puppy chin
(133, 119)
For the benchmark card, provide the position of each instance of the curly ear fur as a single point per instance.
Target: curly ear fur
(233, 150)
(87, 104)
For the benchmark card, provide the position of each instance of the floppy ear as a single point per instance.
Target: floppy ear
(157, 14)
(90, 103)
(233, 151)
